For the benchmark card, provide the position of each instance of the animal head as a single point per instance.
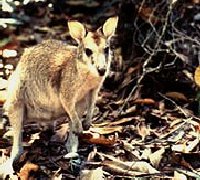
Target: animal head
(94, 47)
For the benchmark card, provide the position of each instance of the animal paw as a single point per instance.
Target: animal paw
(71, 155)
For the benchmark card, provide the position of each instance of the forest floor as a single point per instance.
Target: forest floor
(146, 123)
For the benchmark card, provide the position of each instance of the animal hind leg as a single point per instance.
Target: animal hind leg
(17, 119)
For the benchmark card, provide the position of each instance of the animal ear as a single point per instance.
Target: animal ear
(109, 26)
(76, 30)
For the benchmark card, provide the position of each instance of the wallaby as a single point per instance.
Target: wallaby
(54, 80)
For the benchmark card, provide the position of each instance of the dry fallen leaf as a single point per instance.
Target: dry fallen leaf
(178, 176)
(134, 153)
(142, 166)
(197, 76)
(156, 157)
(185, 148)
(117, 167)
(100, 141)
(9, 53)
(107, 130)
(179, 147)
(176, 96)
(143, 130)
(26, 169)
(146, 153)
(146, 101)
(121, 121)
(83, 3)
(97, 174)
(177, 158)
(129, 168)
(34, 137)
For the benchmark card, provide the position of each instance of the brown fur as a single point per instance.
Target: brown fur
(96, 38)
(51, 82)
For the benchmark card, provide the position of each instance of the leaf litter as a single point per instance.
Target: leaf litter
(150, 132)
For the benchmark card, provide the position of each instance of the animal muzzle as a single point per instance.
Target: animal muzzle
(101, 71)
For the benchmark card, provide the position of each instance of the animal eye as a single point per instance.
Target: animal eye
(106, 50)
(88, 52)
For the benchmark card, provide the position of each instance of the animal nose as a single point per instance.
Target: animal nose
(101, 71)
